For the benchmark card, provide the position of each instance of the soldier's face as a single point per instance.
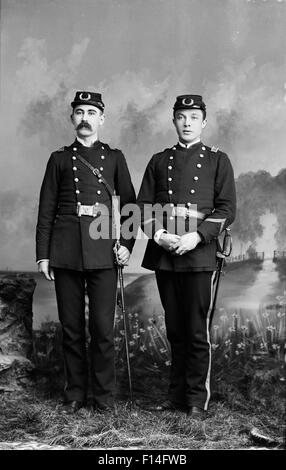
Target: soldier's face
(86, 120)
(189, 124)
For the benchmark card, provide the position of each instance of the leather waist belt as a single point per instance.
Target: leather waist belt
(187, 213)
(67, 210)
(79, 210)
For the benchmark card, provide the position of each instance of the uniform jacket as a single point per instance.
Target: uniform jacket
(199, 178)
(64, 237)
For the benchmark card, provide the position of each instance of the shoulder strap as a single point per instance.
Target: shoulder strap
(97, 173)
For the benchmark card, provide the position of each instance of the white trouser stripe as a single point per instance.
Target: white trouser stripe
(207, 382)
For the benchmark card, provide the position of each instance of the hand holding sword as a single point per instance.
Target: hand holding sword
(122, 255)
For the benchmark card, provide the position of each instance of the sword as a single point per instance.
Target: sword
(226, 251)
(121, 303)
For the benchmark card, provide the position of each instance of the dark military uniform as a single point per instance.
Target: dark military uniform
(196, 186)
(62, 236)
(80, 260)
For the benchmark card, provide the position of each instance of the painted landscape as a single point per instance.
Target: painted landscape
(247, 341)
(248, 374)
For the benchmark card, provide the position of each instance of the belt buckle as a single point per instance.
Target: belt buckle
(90, 211)
(86, 210)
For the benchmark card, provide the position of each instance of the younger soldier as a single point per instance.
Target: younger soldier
(194, 184)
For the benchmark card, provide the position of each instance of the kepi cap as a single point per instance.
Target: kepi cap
(88, 97)
(189, 102)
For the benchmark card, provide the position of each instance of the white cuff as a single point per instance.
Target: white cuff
(42, 260)
(158, 234)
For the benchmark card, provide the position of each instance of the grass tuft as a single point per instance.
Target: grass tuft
(45, 420)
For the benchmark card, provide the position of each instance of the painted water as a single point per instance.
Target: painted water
(242, 290)
(263, 291)
(246, 289)
(250, 291)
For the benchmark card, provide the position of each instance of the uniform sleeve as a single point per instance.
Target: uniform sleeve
(150, 224)
(48, 205)
(224, 202)
(125, 190)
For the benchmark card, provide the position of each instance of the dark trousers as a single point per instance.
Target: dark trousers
(101, 286)
(187, 299)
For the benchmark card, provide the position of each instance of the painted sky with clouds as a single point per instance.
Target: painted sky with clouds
(139, 54)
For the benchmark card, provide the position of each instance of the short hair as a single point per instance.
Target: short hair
(202, 110)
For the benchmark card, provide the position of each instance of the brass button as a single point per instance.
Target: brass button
(201, 155)
(74, 149)
(74, 168)
(74, 158)
(192, 191)
(98, 191)
(196, 178)
(170, 179)
(101, 168)
(199, 165)
(77, 191)
(170, 191)
(203, 148)
(170, 167)
(76, 180)
(171, 157)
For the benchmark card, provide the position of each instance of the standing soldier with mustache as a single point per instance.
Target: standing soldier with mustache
(71, 198)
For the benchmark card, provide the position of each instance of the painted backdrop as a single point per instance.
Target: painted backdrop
(141, 54)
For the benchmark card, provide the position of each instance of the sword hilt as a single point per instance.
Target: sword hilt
(227, 245)
(226, 251)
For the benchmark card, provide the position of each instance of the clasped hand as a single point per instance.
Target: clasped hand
(179, 245)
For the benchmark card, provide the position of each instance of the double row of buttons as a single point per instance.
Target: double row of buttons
(170, 178)
(76, 179)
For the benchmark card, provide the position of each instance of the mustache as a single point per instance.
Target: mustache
(84, 124)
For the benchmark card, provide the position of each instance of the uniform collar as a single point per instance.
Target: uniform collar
(187, 146)
(80, 143)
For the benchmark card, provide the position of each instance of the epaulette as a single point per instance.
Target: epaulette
(160, 154)
(110, 149)
(163, 152)
(214, 149)
(62, 149)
